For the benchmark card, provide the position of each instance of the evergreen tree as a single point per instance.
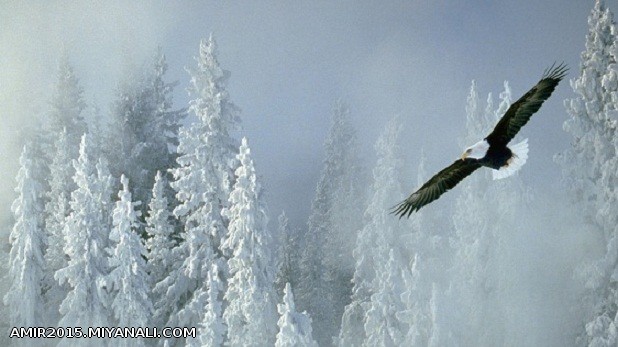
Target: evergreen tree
(382, 325)
(167, 121)
(250, 314)
(287, 260)
(373, 244)
(67, 107)
(422, 241)
(159, 230)
(56, 212)
(346, 215)
(582, 162)
(416, 312)
(172, 293)
(212, 329)
(59, 146)
(202, 183)
(57, 143)
(86, 237)
(438, 335)
(144, 128)
(590, 167)
(294, 327)
(128, 280)
(26, 263)
(313, 286)
(218, 117)
(335, 217)
(65, 115)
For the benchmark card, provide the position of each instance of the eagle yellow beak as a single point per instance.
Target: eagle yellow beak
(464, 156)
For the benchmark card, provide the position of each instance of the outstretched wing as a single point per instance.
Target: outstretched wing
(520, 112)
(436, 186)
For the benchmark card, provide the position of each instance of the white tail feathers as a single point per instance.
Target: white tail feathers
(520, 155)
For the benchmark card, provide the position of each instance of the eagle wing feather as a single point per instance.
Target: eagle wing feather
(520, 111)
(439, 184)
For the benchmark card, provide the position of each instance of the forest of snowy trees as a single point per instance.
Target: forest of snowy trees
(154, 216)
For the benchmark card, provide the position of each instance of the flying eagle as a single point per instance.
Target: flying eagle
(492, 151)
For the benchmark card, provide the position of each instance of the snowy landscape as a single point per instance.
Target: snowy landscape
(150, 184)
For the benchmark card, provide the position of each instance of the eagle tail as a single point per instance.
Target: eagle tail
(520, 155)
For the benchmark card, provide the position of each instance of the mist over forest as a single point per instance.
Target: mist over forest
(227, 172)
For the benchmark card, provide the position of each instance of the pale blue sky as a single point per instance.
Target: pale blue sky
(290, 61)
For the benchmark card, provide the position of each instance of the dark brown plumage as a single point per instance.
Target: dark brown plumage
(520, 111)
(497, 154)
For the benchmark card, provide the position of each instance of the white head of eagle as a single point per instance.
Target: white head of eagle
(476, 151)
(494, 151)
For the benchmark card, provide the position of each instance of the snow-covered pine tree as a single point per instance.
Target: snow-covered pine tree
(65, 115)
(26, 264)
(326, 269)
(439, 336)
(56, 211)
(352, 332)
(376, 238)
(86, 237)
(313, 288)
(382, 324)
(105, 184)
(60, 145)
(590, 167)
(159, 230)
(218, 117)
(250, 314)
(172, 293)
(294, 327)
(98, 131)
(167, 122)
(212, 329)
(144, 128)
(287, 256)
(67, 106)
(202, 182)
(346, 214)
(423, 245)
(416, 312)
(586, 121)
(128, 279)
(157, 152)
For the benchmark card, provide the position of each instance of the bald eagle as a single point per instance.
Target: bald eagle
(493, 151)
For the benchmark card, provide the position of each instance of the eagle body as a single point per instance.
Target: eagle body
(504, 160)
(494, 151)
(494, 157)
(497, 156)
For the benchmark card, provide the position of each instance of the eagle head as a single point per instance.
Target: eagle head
(476, 151)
